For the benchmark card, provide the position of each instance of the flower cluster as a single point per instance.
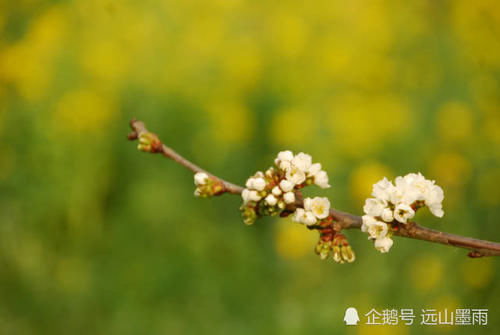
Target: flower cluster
(274, 192)
(207, 186)
(270, 192)
(314, 209)
(398, 203)
(300, 170)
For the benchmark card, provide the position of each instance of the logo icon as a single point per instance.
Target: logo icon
(351, 317)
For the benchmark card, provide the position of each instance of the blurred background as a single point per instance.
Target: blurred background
(99, 238)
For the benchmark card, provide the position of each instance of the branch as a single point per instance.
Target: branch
(139, 129)
(479, 248)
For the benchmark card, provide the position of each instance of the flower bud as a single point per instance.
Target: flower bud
(286, 186)
(289, 197)
(259, 184)
(276, 191)
(271, 200)
(200, 178)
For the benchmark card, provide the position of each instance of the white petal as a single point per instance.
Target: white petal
(254, 196)
(271, 200)
(302, 161)
(245, 195)
(320, 207)
(285, 165)
(308, 204)
(383, 244)
(374, 207)
(259, 184)
(309, 219)
(378, 230)
(382, 189)
(295, 175)
(298, 215)
(403, 212)
(289, 197)
(200, 178)
(314, 169)
(321, 179)
(286, 185)
(249, 183)
(286, 155)
(276, 191)
(387, 215)
(367, 222)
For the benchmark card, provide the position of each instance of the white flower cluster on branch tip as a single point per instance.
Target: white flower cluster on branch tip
(269, 193)
(398, 203)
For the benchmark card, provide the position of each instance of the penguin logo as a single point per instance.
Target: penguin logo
(351, 317)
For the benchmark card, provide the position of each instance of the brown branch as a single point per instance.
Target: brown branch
(479, 248)
(138, 129)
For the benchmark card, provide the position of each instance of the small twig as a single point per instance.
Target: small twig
(138, 128)
(479, 248)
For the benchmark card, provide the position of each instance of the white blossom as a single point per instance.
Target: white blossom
(434, 195)
(309, 219)
(245, 194)
(284, 156)
(408, 190)
(249, 183)
(396, 196)
(377, 229)
(254, 196)
(269, 172)
(437, 210)
(320, 207)
(368, 220)
(433, 199)
(374, 207)
(298, 215)
(289, 197)
(302, 161)
(259, 174)
(314, 169)
(295, 175)
(387, 215)
(399, 201)
(285, 165)
(286, 185)
(303, 216)
(383, 244)
(382, 189)
(411, 188)
(403, 212)
(321, 179)
(200, 178)
(271, 200)
(259, 184)
(276, 191)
